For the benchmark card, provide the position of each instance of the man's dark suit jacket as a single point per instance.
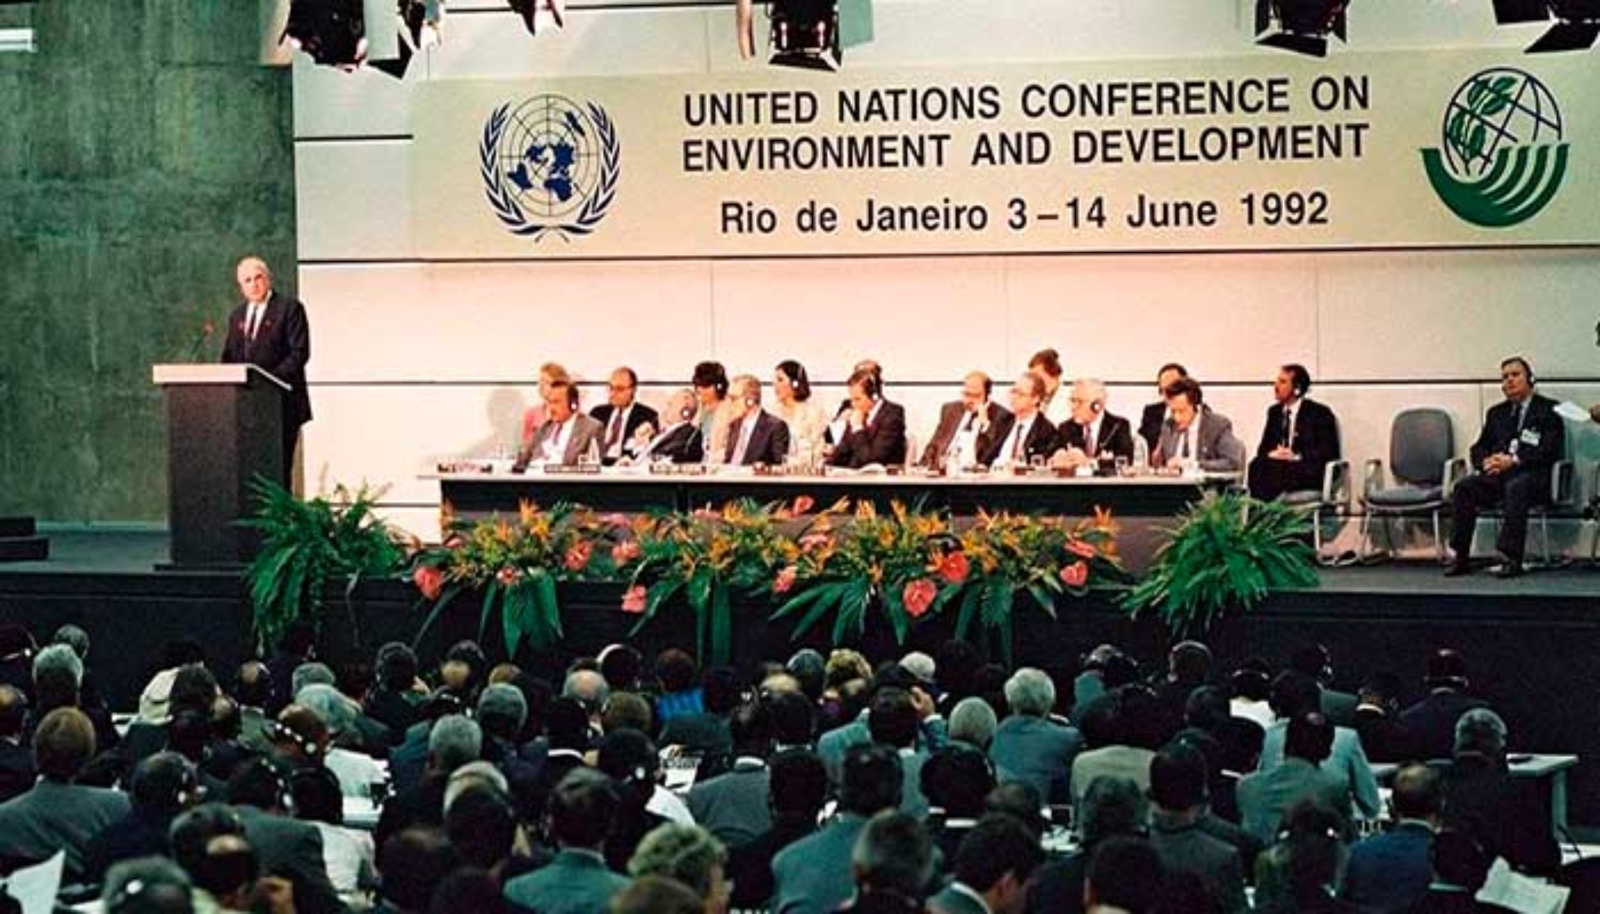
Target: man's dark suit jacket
(883, 441)
(16, 769)
(639, 415)
(1150, 422)
(769, 441)
(1316, 434)
(1430, 724)
(952, 416)
(282, 348)
(683, 444)
(292, 849)
(1510, 816)
(1500, 429)
(1115, 436)
(1041, 442)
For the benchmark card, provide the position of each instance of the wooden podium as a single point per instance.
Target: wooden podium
(224, 427)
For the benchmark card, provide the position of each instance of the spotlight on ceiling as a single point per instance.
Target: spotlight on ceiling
(1301, 26)
(1577, 22)
(333, 32)
(805, 34)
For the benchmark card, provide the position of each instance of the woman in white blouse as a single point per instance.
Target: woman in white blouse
(805, 418)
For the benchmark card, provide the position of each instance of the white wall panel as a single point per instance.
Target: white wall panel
(352, 200)
(329, 102)
(594, 43)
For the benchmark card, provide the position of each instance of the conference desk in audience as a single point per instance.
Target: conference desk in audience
(1550, 770)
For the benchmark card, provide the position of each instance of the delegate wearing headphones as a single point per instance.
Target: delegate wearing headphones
(1298, 439)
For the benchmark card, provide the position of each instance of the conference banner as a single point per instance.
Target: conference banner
(1266, 152)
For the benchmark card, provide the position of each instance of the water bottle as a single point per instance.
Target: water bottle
(1141, 454)
(591, 454)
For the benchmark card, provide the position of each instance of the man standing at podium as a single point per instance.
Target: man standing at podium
(270, 331)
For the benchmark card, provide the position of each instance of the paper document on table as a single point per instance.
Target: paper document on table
(1520, 893)
(35, 887)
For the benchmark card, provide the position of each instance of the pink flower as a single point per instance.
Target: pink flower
(633, 601)
(507, 576)
(918, 596)
(1076, 574)
(624, 552)
(804, 504)
(429, 580)
(578, 557)
(784, 582)
(614, 520)
(954, 568)
(454, 541)
(1081, 549)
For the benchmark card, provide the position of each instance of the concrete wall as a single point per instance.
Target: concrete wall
(143, 150)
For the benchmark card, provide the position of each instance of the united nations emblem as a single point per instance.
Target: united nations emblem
(1502, 158)
(549, 165)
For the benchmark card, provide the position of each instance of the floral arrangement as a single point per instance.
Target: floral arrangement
(708, 556)
(516, 565)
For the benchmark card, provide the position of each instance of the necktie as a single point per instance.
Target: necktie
(255, 321)
(1288, 427)
(1185, 447)
(745, 431)
(1016, 443)
(972, 419)
(614, 431)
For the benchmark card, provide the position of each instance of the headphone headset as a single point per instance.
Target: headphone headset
(1095, 406)
(572, 396)
(869, 385)
(282, 733)
(687, 412)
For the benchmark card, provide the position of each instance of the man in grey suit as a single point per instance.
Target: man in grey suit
(735, 806)
(813, 876)
(1031, 745)
(1194, 436)
(992, 869)
(57, 814)
(967, 427)
(575, 881)
(566, 435)
(1266, 795)
(284, 847)
(756, 436)
(1178, 790)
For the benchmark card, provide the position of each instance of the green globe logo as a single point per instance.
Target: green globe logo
(1502, 159)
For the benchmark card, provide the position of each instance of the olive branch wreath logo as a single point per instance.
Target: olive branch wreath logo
(504, 203)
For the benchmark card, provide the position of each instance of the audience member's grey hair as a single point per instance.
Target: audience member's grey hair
(456, 740)
(504, 700)
(479, 775)
(146, 884)
(336, 711)
(687, 853)
(312, 673)
(59, 657)
(1030, 691)
(587, 687)
(972, 721)
(894, 854)
(74, 637)
(1480, 731)
(919, 665)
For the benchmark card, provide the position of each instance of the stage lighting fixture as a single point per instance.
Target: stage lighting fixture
(1301, 26)
(331, 31)
(805, 34)
(541, 15)
(1577, 22)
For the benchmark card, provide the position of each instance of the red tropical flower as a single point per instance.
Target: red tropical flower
(507, 576)
(624, 552)
(918, 596)
(954, 568)
(429, 580)
(803, 504)
(454, 541)
(633, 601)
(577, 558)
(784, 582)
(1076, 574)
(1081, 549)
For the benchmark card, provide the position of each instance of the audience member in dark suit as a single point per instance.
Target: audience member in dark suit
(872, 431)
(679, 440)
(1296, 875)
(1521, 438)
(1126, 874)
(892, 864)
(1178, 790)
(735, 806)
(630, 759)
(966, 426)
(270, 330)
(396, 691)
(451, 742)
(1298, 440)
(1460, 868)
(1266, 795)
(1378, 719)
(16, 756)
(799, 786)
(58, 814)
(956, 780)
(1154, 415)
(1031, 745)
(285, 847)
(163, 785)
(1112, 808)
(992, 869)
(1390, 871)
(1314, 660)
(755, 436)
(1029, 434)
(1509, 816)
(1091, 431)
(622, 416)
(1430, 724)
(812, 875)
(1194, 436)
(581, 809)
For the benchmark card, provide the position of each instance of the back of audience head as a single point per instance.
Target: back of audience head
(413, 862)
(1021, 801)
(254, 688)
(300, 736)
(676, 670)
(1446, 669)
(798, 783)
(395, 667)
(463, 667)
(1309, 737)
(689, 854)
(588, 688)
(1125, 873)
(1252, 679)
(1178, 778)
(810, 669)
(63, 743)
(1207, 708)
(892, 719)
(475, 776)
(581, 808)
(1313, 660)
(629, 758)
(1294, 693)
(621, 665)
(501, 711)
(164, 783)
(316, 796)
(794, 718)
(256, 783)
(750, 728)
(722, 689)
(1418, 793)
(146, 885)
(208, 842)
(893, 856)
(1481, 733)
(567, 725)
(1312, 838)
(1030, 693)
(973, 722)
(626, 711)
(657, 895)
(336, 711)
(957, 779)
(870, 780)
(310, 673)
(468, 888)
(74, 637)
(178, 652)
(1189, 663)
(844, 665)
(999, 857)
(482, 828)
(536, 696)
(1100, 720)
(454, 741)
(13, 710)
(1113, 806)
(59, 668)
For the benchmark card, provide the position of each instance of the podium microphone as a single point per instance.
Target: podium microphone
(207, 330)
